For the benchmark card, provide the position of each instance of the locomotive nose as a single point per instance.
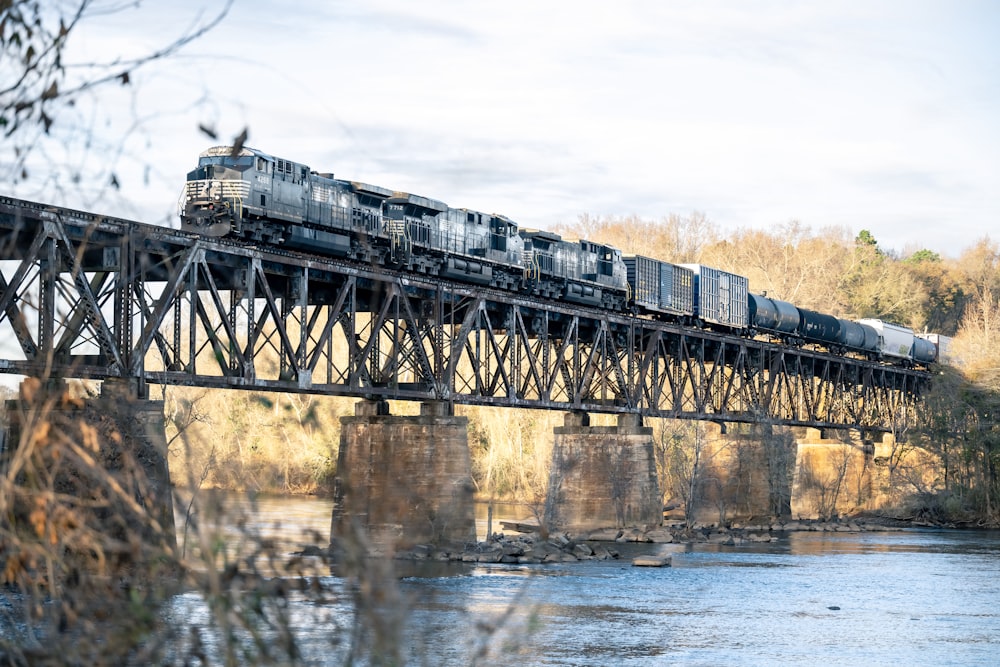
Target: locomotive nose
(200, 217)
(207, 221)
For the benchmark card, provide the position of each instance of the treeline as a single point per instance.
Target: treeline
(284, 443)
(831, 270)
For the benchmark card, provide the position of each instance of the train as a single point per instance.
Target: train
(244, 193)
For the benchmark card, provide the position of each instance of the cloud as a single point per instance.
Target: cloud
(878, 115)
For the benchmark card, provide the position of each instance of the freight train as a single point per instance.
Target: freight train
(247, 194)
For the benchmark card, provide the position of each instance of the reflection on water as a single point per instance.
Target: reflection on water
(489, 515)
(928, 597)
(305, 521)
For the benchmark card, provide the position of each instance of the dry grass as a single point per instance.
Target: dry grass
(92, 574)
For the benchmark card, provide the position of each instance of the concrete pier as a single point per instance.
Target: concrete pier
(402, 480)
(833, 474)
(739, 472)
(602, 476)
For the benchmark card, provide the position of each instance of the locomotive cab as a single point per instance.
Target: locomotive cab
(409, 221)
(602, 264)
(539, 252)
(502, 230)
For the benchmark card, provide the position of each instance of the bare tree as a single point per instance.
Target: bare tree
(946, 295)
(976, 345)
(981, 266)
(673, 238)
(42, 85)
(683, 448)
(876, 285)
(779, 461)
(791, 262)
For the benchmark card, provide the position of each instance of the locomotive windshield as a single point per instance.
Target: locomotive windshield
(241, 163)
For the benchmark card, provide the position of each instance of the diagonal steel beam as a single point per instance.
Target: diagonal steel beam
(170, 295)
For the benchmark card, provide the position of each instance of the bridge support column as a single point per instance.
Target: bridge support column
(736, 472)
(602, 476)
(106, 456)
(402, 480)
(833, 474)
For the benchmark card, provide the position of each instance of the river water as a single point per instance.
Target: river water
(914, 597)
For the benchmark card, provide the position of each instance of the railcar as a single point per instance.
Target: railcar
(900, 343)
(942, 347)
(774, 316)
(721, 299)
(924, 351)
(894, 341)
(819, 327)
(857, 337)
(574, 270)
(661, 289)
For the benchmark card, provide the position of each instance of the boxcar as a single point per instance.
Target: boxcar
(659, 287)
(720, 297)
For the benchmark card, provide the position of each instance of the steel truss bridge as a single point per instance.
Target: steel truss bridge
(86, 296)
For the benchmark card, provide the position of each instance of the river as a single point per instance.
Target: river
(914, 597)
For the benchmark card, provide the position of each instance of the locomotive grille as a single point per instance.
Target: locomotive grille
(322, 193)
(396, 228)
(228, 189)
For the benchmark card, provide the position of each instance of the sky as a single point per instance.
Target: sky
(876, 114)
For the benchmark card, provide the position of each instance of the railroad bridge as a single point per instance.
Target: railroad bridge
(92, 297)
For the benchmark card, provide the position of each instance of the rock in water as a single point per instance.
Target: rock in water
(650, 561)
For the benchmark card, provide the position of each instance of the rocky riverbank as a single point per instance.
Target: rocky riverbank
(521, 548)
(531, 547)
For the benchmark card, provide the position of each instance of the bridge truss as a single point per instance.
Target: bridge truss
(85, 296)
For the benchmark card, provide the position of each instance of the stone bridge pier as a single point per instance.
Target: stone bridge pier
(402, 480)
(407, 480)
(833, 474)
(602, 476)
